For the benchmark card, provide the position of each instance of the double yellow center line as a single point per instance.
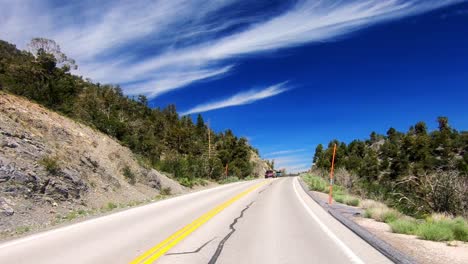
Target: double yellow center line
(160, 249)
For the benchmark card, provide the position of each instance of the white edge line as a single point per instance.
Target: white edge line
(349, 253)
(106, 217)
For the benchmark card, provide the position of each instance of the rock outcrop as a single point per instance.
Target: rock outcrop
(260, 166)
(51, 165)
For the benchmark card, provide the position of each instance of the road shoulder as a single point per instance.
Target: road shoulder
(398, 247)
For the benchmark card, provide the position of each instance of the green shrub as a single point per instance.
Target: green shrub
(382, 213)
(390, 216)
(316, 183)
(353, 201)
(404, 226)
(435, 231)
(111, 206)
(368, 213)
(229, 179)
(129, 175)
(71, 215)
(187, 182)
(166, 191)
(339, 198)
(81, 212)
(50, 164)
(22, 229)
(460, 229)
(200, 181)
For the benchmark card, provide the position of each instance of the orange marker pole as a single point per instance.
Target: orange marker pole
(330, 196)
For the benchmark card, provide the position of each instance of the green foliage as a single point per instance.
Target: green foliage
(460, 229)
(419, 171)
(382, 213)
(435, 231)
(22, 229)
(316, 183)
(339, 198)
(186, 182)
(230, 179)
(404, 226)
(444, 229)
(129, 175)
(340, 194)
(353, 201)
(111, 206)
(160, 137)
(51, 164)
(390, 216)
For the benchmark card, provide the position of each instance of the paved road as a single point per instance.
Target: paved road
(262, 221)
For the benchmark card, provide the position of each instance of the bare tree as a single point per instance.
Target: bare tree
(49, 46)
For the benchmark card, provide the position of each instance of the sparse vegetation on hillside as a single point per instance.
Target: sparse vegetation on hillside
(129, 175)
(162, 138)
(50, 164)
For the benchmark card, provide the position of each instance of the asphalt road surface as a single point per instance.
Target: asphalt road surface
(262, 221)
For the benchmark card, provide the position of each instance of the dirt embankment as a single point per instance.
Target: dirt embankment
(51, 165)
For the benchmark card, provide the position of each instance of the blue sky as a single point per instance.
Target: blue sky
(285, 74)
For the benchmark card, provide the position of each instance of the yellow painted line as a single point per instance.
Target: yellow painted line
(160, 249)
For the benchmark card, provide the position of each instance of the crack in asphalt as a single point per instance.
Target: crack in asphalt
(264, 189)
(191, 252)
(214, 258)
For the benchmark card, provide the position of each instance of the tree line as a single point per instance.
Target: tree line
(161, 138)
(418, 171)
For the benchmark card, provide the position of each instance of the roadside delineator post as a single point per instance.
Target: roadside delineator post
(330, 196)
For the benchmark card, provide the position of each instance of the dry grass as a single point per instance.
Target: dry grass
(379, 211)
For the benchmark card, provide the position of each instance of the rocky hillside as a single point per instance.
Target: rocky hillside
(51, 165)
(260, 166)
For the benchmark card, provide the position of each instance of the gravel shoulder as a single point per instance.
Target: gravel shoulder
(422, 251)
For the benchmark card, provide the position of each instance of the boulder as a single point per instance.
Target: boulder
(153, 179)
(166, 182)
(5, 207)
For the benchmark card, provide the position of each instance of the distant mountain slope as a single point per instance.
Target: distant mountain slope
(51, 165)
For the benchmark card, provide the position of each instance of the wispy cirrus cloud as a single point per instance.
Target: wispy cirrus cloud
(242, 98)
(283, 152)
(153, 47)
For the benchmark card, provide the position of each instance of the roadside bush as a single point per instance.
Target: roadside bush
(186, 182)
(460, 229)
(229, 179)
(200, 181)
(390, 216)
(316, 183)
(353, 201)
(367, 203)
(382, 213)
(339, 198)
(111, 206)
(404, 226)
(368, 213)
(435, 231)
